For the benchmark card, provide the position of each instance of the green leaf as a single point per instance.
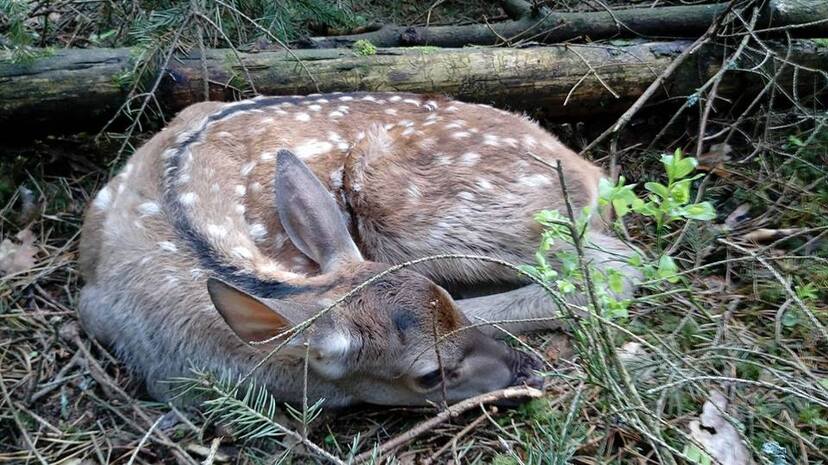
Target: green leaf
(699, 211)
(565, 286)
(667, 269)
(692, 453)
(795, 141)
(615, 279)
(684, 167)
(646, 209)
(605, 189)
(658, 189)
(680, 192)
(669, 164)
(621, 207)
(790, 318)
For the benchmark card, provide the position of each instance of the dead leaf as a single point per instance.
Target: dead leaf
(637, 360)
(16, 258)
(738, 216)
(714, 160)
(720, 438)
(767, 234)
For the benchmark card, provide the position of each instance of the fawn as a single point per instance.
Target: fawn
(241, 220)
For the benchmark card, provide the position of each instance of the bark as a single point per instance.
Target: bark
(78, 89)
(550, 27)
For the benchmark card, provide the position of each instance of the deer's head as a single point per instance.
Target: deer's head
(400, 340)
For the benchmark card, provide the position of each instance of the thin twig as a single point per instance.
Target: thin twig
(451, 412)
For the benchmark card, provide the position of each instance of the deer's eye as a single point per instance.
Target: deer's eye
(430, 379)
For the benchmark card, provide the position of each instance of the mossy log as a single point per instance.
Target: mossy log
(73, 90)
(800, 17)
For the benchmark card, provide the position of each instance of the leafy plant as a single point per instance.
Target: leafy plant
(666, 204)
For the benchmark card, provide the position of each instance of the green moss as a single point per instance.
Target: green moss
(364, 48)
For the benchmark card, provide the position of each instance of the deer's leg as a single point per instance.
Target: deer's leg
(532, 308)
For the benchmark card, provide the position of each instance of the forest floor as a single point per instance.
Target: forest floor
(742, 327)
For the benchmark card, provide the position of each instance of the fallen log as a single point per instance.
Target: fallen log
(802, 18)
(79, 89)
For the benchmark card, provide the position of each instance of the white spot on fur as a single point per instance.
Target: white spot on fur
(240, 190)
(242, 252)
(268, 268)
(452, 109)
(258, 231)
(215, 188)
(484, 184)
(314, 107)
(343, 146)
(412, 101)
(103, 199)
(335, 114)
(167, 246)
(369, 98)
(149, 208)
(343, 108)
(312, 148)
(413, 191)
(510, 141)
(267, 156)
(431, 105)
(390, 111)
(460, 135)
(346, 98)
(216, 230)
(302, 117)
(466, 195)
(529, 141)
(240, 209)
(224, 135)
(408, 131)
(470, 158)
(443, 160)
(247, 168)
(491, 139)
(188, 198)
(535, 180)
(321, 100)
(121, 187)
(256, 187)
(395, 98)
(169, 153)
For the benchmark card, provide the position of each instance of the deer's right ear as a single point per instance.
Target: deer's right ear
(250, 318)
(310, 215)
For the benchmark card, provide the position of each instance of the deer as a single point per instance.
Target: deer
(239, 221)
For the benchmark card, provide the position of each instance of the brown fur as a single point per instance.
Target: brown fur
(411, 175)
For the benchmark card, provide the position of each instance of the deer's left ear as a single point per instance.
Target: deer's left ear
(310, 215)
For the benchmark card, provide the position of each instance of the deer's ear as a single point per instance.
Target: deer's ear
(250, 318)
(310, 215)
